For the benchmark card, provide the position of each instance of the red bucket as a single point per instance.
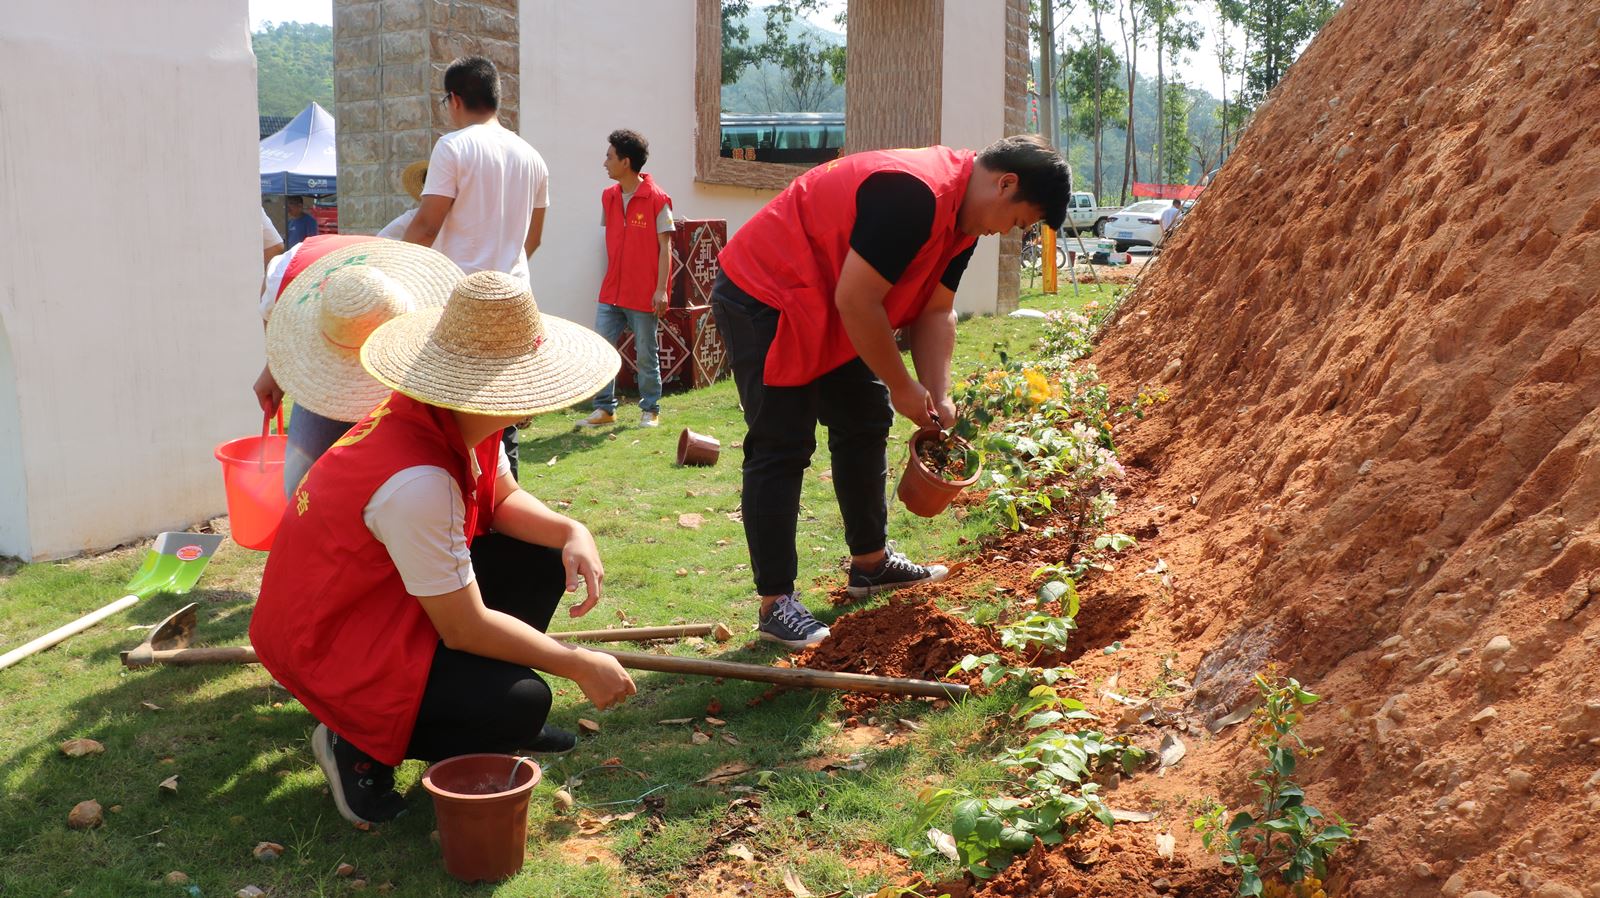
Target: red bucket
(252, 474)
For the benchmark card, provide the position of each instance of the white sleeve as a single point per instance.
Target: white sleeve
(664, 220)
(274, 283)
(541, 183)
(502, 463)
(441, 179)
(419, 517)
(269, 234)
(396, 230)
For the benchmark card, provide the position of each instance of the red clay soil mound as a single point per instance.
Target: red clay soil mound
(899, 639)
(1118, 864)
(1381, 333)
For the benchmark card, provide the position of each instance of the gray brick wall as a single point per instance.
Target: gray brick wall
(389, 58)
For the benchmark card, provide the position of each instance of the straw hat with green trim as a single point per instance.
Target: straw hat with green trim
(489, 351)
(318, 325)
(412, 179)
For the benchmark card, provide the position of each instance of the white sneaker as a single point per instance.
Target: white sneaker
(650, 419)
(598, 418)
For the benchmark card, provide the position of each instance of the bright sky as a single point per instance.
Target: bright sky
(1200, 68)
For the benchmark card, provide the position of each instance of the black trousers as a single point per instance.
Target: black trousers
(849, 400)
(508, 439)
(477, 704)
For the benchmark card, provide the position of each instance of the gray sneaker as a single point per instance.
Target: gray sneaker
(893, 572)
(791, 624)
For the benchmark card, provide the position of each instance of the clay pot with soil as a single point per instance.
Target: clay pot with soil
(941, 465)
(481, 802)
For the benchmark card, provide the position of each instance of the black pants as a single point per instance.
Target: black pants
(478, 704)
(849, 400)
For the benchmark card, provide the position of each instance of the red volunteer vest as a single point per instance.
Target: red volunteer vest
(334, 623)
(790, 253)
(313, 248)
(632, 248)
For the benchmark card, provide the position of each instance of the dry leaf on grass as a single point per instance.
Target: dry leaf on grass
(727, 772)
(591, 825)
(249, 892)
(740, 851)
(170, 784)
(77, 748)
(150, 706)
(344, 870)
(699, 738)
(563, 800)
(86, 815)
(730, 738)
(176, 878)
(588, 725)
(716, 721)
(674, 721)
(1172, 749)
(791, 881)
(267, 851)
(944, 843)
(691, 520)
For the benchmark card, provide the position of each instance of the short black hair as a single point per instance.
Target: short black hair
(1044, 179)
(630, 145)
(294, 199)
(476, 81)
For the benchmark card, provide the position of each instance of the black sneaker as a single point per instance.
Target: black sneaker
(363, 789)
(893, 572)
(791, 624)
(552, 741)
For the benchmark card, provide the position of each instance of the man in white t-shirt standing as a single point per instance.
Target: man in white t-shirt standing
(1170, 217)
(485, 196)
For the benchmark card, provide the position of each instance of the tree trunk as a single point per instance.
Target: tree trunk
(1099, 123)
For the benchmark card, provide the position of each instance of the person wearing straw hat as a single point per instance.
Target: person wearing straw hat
(411, 179)
(337, 290)
(411, 580)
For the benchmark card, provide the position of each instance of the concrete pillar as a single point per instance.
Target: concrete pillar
(1018, 62)
(389, 58)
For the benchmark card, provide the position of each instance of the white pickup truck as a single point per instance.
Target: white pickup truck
(1084, 215)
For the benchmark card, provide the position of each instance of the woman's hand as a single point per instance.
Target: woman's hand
(603, 680)
(581, 558)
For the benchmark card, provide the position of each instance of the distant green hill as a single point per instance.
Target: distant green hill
(764, 87)
(294, 67)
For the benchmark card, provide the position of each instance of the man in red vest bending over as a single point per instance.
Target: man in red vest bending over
(637, 217)
(807, 299)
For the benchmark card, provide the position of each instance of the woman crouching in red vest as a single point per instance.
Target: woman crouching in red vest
(411, 581)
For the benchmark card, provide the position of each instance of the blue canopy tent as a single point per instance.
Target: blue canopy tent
(299, 160)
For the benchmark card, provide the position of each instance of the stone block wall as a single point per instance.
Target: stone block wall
(389, 58)
(1018, 63)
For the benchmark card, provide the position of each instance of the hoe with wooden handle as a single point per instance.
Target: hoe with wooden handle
(169, 642)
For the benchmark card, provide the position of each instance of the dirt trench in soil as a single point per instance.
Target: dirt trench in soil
(1379, 468)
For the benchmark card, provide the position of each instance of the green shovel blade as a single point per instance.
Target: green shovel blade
(174, 563)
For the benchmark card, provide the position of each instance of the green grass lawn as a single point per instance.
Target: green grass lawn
(246, 774)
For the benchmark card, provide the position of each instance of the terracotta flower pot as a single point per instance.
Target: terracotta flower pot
(921, 489)
(697, 448)
(483, 826)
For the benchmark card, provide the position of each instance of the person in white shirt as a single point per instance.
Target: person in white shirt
(1170, 217)
(484, 200)
(271, 240)
(411, 179)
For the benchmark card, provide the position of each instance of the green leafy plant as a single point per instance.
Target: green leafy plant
(1282, 849)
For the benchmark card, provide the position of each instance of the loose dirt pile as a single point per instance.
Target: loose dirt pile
(1098, 864)
(899, 639)
(1381, 464)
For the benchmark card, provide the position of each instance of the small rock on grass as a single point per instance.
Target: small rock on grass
(249, 892)
(175, 878)
(77, 748)
(344, 870)
(86, 815)
(588, 726)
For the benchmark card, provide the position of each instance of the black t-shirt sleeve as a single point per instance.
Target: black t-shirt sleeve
(894, 218)
(957, 267)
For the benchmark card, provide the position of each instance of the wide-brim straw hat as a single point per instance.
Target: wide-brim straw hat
(412, 179)
(490, 351)
(327, 312)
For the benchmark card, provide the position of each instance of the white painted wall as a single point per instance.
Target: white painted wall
(973, 115)
(129, 263)
(581, 80)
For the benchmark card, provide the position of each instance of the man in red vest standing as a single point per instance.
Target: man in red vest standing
(637, 217)
(809, 294)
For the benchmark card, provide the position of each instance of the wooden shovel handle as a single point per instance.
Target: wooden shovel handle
(233, 654)
(787, 676)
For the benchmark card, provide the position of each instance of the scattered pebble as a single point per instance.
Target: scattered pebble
(77, 748)
(1496, 648)
(175, 878)
(86, 815)
(344, 870)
